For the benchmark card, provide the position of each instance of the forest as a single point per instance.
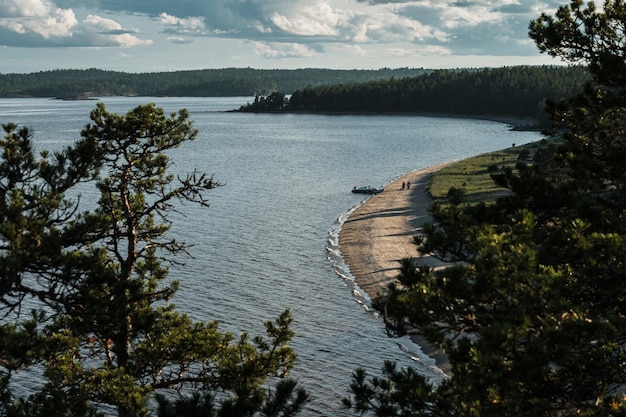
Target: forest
(517, 90)
(227, 82)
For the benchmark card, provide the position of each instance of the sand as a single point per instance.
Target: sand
(380, 233)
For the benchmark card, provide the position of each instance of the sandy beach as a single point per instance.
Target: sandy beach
(380, 232)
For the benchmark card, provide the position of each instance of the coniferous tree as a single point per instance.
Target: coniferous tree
(33, 214)
(532, 313)
(108, 335)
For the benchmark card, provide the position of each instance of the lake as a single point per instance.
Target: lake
(269, 239)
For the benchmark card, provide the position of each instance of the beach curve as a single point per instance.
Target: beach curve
(379, 233)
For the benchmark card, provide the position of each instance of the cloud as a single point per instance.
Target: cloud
(24, 8)
(355, 50)
(219, 16)
(316, 20)
(102, 25)
(391, 26)
(284, 50)
(188, 26)
(40, 23)
(400, 52)
(470, 16)
(282, 28)
(180, 40)
(423, 50)
(325, 20)
(434, 50)
(478, 27)
(41, 19)
(128, 41)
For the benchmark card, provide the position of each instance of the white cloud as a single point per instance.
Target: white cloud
(400, 52)
(127, 40)
(423, 50)
(453, 17)
(391, 26)
(316, 20)
(434, 50)
(101, 25)
(24, 8)
(188, 26)
(355, 50)
(374, 24)
(316, 32)
(263, 29)
(58, 23)
(178, 40)
(283, 50)
(40, 23)
(108, 32)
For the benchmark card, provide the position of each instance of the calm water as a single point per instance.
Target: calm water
(269, 239)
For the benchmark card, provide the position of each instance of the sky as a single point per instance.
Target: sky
(172, 35)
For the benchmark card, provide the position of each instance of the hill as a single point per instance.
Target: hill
(518, 90)
(73, 83)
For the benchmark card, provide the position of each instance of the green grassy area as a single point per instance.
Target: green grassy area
(473, 175)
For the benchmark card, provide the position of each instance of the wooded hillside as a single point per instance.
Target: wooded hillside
(519, 90)
(226, 82)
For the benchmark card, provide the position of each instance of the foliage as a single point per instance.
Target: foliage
(398, 392)
(105, 331)
(276, 101)
(531, 311)
(245, 82)
(519, 91)
(474, 175)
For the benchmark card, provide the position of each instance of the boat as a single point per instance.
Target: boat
(366, 189)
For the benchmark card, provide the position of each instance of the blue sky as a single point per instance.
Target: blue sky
(169, 35)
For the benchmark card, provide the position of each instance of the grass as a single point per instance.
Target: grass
(473, 175)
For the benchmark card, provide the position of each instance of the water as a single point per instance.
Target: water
(269, 240)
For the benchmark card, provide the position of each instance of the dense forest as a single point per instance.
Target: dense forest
(518, 90)
(226, 82)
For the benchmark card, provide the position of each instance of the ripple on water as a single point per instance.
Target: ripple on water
(269, 240)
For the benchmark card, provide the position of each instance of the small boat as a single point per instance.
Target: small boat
(366, 189)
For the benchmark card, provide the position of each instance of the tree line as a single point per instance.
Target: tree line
(517, 90)
(73, 83)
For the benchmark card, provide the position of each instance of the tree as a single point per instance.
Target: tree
(114, 338)
(532, 313)
(273, 102)
(593, 120)
(580, 34)
(33, 212)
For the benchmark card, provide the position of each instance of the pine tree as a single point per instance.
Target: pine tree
(114, 338)
(532, 313)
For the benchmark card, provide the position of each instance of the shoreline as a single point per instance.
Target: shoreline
(379, 233)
